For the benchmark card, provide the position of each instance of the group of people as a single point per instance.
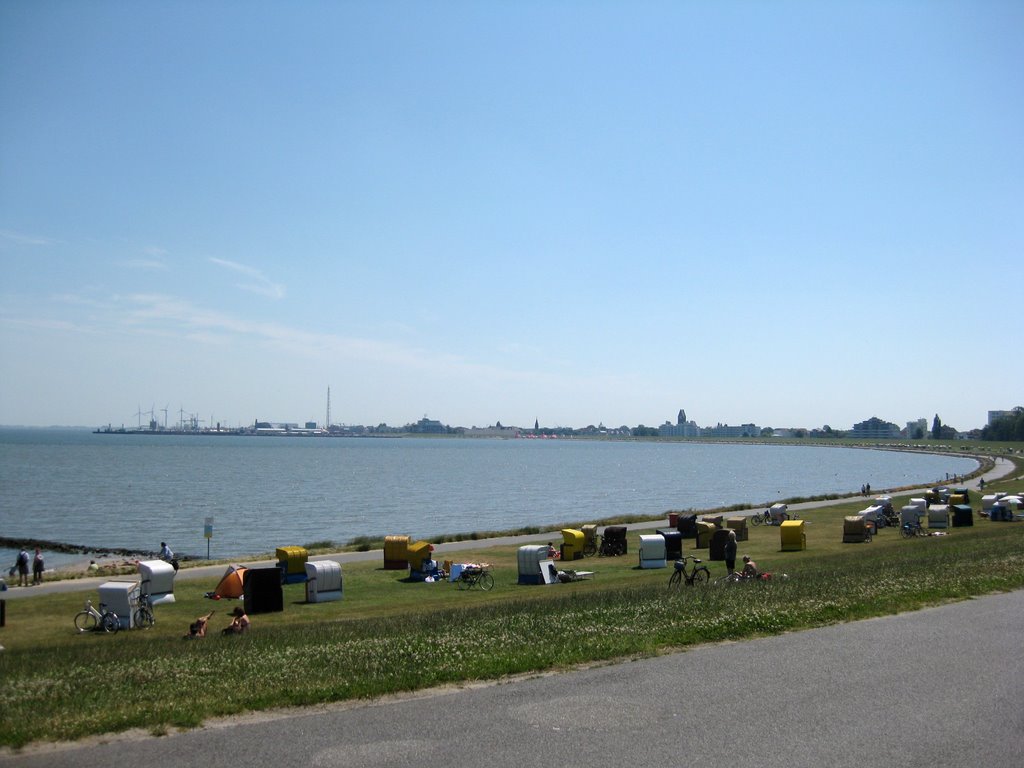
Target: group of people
(197, 629)
(239, 624)
(749, 566)
(21, 566)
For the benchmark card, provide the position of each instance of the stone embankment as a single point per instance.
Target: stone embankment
(73, 549)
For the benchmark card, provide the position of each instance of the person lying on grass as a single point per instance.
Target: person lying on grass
(197, 628)
(239, 624)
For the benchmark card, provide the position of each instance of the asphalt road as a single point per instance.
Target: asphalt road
(939, 687)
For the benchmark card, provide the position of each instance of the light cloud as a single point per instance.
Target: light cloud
(170, 314)
(150, 264)
(257, 282)
(22, 239)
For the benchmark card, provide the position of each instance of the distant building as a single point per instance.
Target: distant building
(725, 430)
(427, 427)
(682, 427)
(874, 429)
(994, 416)
(919, 426)
(686, 429)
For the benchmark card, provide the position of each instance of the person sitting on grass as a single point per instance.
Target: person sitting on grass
(197, 628)
(749, 568)
(239, 623)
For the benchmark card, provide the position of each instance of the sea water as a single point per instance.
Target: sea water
(259, 493)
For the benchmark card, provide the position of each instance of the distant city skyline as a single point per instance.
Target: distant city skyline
(794, 213)
(196, 421)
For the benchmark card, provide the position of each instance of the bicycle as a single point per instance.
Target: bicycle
(613, 542)
(143, 617)
(699, 574)
(89, 619)
(476, 576)
(910, 530)
(889, 516)
(761, 517)
(765, 518)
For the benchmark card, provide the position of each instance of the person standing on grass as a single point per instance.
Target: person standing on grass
(22, 565)
(730, 552)
(37, 567)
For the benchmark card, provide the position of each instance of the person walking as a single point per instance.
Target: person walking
(37, 567)
(730, 552)
(22, 565)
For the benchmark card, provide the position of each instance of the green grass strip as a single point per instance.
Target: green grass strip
(65, 686)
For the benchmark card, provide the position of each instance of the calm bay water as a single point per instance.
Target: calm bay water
(134, 491)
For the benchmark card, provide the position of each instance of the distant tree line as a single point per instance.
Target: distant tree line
(1009, 427)
(942, 431)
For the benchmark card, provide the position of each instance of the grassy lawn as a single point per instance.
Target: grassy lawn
(388, 635)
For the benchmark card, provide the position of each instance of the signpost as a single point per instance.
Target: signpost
(208, 533)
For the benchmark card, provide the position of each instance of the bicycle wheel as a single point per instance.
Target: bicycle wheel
(486, 581)
(589, 549)
(675, 579)
(463, 582)
(756, 520)
(109, 622)
(907, 532)
(143, 618)
(85, 621)
(701, 575)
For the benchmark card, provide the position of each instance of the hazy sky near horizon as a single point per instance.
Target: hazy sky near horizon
(787, 213)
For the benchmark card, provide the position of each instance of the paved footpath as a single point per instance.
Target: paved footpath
(1000, 470)
(935, 688)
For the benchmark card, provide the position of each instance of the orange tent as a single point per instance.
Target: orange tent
(231, 582)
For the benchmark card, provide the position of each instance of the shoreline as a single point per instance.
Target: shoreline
(543, 504)
(990, 468)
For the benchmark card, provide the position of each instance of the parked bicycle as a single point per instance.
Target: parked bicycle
(476, 576)
(910, 530)
(698, 574)
(765, 518)
(613, 542)
(890, 516)
(143, 617)
(89, 619)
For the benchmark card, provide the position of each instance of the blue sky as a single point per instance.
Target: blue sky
(789, 213)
